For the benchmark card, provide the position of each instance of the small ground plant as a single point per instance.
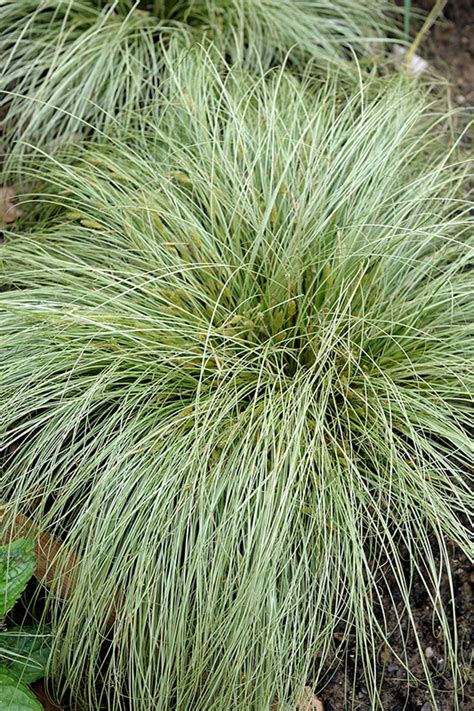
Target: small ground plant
(70, 66)
(236, 348)
(24, 652)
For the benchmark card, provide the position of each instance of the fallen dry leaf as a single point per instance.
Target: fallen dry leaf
(9, 212)
(54, 568)
(308, 701)
(38, 688)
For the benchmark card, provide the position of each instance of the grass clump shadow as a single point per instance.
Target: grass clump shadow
(237, 354)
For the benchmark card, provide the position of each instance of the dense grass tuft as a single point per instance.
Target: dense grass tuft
(70, 66)
(237, 354)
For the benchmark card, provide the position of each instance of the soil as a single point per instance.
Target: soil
(41, 693)
(341, 694)
(450, 47)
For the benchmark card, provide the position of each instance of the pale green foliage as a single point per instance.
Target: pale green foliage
(263, 31)
(69, 66)
(236, 350)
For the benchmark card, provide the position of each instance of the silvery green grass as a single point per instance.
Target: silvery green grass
(236, 380)
(69, 66)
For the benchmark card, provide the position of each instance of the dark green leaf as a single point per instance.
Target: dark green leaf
(25, 651)
(14, 695)
(17, 563)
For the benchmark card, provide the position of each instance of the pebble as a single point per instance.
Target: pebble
(416, 65)
(440, 665)
(426, 706)
(429, 653)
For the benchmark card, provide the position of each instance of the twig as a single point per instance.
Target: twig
(432, 16)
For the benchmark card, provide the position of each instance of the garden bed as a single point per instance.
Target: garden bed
(450, 51)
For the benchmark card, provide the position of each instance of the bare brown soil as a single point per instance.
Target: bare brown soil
(396, 693)
(450, 46)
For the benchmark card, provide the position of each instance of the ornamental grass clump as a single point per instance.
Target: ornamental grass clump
(70, 66)
(236, 348)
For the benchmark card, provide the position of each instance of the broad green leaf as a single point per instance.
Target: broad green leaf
(25, 651)
(17, 563)
(15, 695)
